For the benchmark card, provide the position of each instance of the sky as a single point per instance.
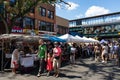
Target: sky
(86, 8)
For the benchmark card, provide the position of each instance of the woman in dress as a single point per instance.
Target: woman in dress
(15, 59)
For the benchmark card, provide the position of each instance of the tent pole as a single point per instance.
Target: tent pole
(2, 61)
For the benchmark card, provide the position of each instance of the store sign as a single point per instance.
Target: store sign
(17, 29)
(31, 32)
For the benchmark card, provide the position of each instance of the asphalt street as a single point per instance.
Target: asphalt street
(84, 69)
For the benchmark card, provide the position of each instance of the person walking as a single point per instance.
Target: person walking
(49, 64)
(97, 51)
(42, 55)
(56, 58)
(118, 55)
(72, 54)
(15, 60)
(104, 53)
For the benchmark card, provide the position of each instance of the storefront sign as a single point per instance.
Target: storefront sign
(31, 32)
(17, 29)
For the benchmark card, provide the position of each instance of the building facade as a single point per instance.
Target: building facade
(62, 25)
(41, 20)
(102, 26)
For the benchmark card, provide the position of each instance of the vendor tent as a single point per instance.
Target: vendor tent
(53, 38)
(68, 38)
(93, 40)
(80, 39)
(103, 41)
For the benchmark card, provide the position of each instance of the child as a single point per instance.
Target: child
(49, 64)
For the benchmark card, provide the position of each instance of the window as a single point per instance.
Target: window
(46, 26)
(50, 14)
(72, 24)
(28, 23)
(32, 10)
(43, 26)
(42, 11)
(50, 27)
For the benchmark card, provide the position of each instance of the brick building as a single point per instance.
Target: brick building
(40, 20)
(62, 25)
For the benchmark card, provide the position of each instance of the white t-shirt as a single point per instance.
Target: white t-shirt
(73, 50)
(105, 50)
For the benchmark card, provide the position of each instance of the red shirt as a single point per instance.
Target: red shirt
(57, 51)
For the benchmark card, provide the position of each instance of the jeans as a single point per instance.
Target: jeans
(42, 65)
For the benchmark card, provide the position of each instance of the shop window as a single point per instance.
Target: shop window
(43, 26)
(28, 23)
(50, 14)
(42, 11)
(46, 26)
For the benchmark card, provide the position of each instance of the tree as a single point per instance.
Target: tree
(19, 8)
(3, 15)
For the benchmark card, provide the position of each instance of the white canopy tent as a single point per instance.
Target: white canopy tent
(103, 41)
(78, 39)
(86, 39)
(21, 37)
(68, 38)
(93, 40)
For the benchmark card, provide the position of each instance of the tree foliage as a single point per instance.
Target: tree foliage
(20, 8)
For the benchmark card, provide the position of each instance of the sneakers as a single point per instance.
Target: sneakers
(38, 75)
(54, 75)
(57, 75)
(103, 61)
(48, 74)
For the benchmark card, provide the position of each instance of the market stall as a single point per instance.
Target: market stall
(4, 46)
(68, 38)
(26, 43)
(77, 39)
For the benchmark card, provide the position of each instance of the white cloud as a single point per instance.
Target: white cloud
(79, 16)
(96, 10)
(71, 6)
(59, 6)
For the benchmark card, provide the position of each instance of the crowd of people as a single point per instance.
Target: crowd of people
(51, 54)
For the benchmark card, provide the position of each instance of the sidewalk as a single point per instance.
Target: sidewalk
(84, 69)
